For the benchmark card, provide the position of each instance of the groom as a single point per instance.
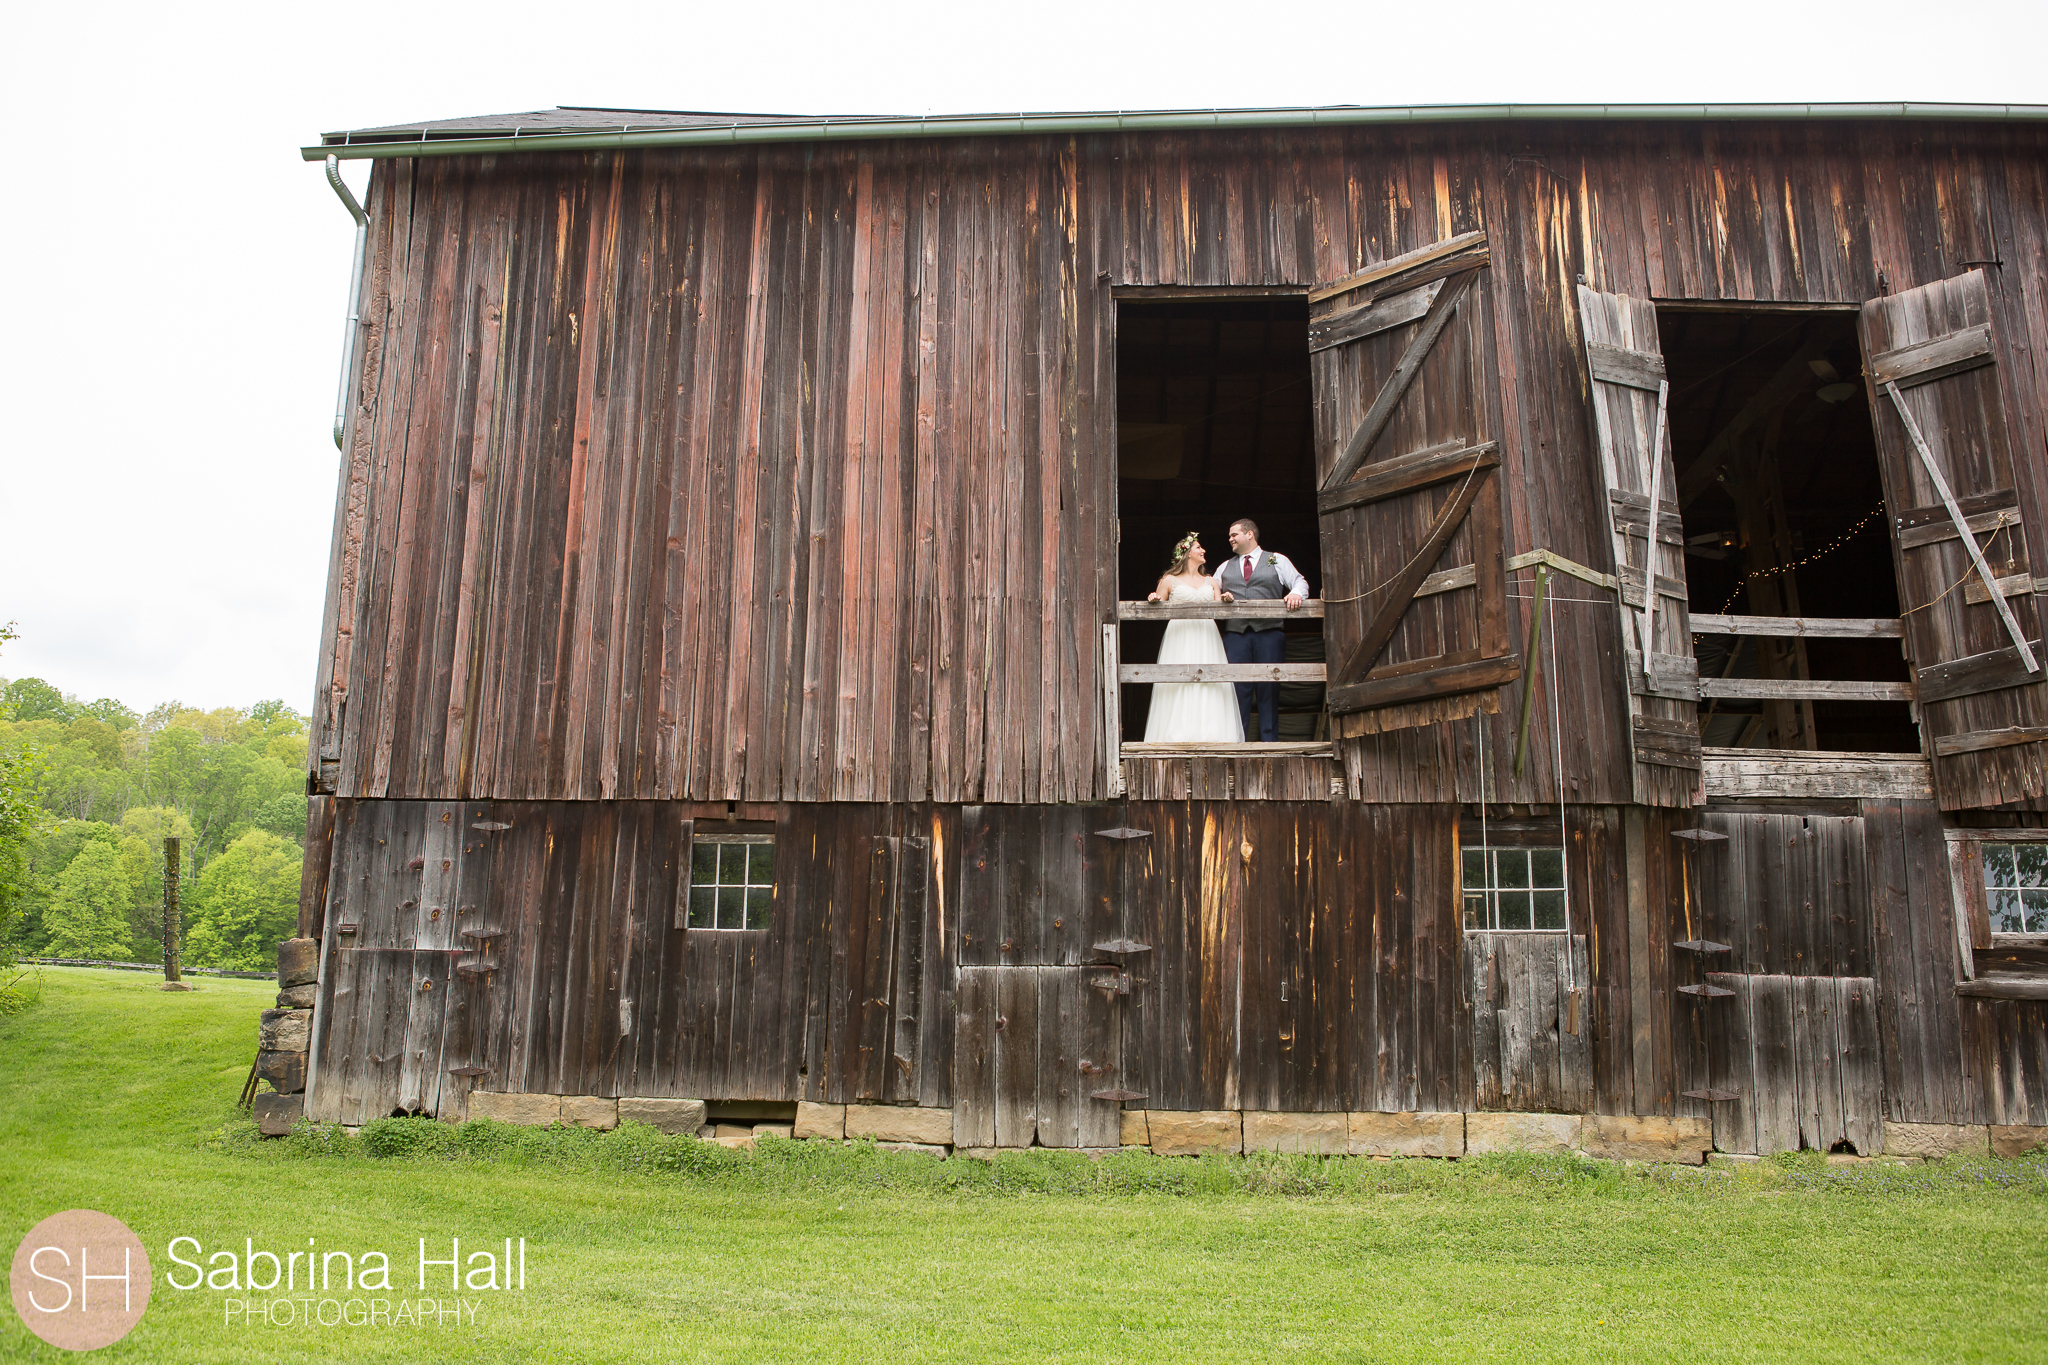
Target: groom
(1254, 575)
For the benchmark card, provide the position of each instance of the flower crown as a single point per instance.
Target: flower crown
(1187, 543)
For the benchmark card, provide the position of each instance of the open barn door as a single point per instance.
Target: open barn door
(1410, 501)
(1630, 397)
(1956, 527)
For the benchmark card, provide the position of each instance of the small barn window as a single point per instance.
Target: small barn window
(1513, 888)
(732, 880)
(2016, 886)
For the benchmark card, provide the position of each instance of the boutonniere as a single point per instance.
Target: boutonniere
(1272, 560)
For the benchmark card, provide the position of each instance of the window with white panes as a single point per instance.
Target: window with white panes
(1513, 888)
(2016, 887)
(732, 880)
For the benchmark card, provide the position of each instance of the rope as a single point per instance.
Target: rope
(1470, 474)
(1968, 574)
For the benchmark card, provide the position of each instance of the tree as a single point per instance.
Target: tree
(109, 712)
(34, 699)
(88, 917)
(21, 821)
(248, 899)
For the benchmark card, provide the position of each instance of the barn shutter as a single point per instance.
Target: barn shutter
(1630, 396)
(1406, 416)
(1948, 481)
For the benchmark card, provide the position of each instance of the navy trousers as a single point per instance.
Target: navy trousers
(1258, 647)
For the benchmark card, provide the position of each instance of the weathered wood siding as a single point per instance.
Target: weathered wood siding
(786, 474)
(1298, 957)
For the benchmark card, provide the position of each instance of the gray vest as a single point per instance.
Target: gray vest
(1265, 585)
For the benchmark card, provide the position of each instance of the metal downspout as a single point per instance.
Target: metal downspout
(353, 336)
(351, 343)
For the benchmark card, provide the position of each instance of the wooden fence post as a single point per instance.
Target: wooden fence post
(171, 973)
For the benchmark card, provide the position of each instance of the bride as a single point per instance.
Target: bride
(1201, 712)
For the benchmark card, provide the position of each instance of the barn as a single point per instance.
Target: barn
(735, 664)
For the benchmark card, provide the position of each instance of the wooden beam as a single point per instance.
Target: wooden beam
(1991, 671)
(1265, 609)
(1181, 748)
(2005, 988)
(1396, 387)
(1619, 365)
(1936, 358)
(1559, 564)
(1466, 242)
(1806, 689)
(1464, 576)
(1370, 319)
(1980, 524)
(1475, 676)
(1936, 514)
(1406, 473)
(1631, 513)
(1737, 774)
(1813, 627)
(1401, 592)
(2012, 585)
(1230, 673)
(1975, 741)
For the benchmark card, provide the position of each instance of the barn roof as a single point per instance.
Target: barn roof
(577, 128)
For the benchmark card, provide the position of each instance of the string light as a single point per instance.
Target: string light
(1837, 543)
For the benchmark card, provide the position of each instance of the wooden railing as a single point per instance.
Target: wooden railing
(1231, 673)
(1811, 628)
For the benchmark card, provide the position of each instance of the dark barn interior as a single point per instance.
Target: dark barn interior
(1215, 422)
(1779, 487)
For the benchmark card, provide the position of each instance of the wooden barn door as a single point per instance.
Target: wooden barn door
(1630, 395)
(1042, 1009)
(1406, 420)
(1948, 481)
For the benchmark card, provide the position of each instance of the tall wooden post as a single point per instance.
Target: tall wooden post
(171, 910)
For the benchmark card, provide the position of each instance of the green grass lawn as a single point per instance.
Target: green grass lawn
(119, 1097)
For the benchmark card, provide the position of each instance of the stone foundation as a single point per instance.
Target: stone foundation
(1316, 1134)
(1546, 1134)
(1649, 1137)
(1176, 1132)
(1935, 1140)
(284, 1039)
(894, 1123)
(670, 1116)
(2012, 1139)
(1431, 1135)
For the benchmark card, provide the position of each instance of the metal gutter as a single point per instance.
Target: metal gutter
(354, 326)
(379, 146)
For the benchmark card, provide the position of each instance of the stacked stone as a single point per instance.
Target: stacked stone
(285, 1037)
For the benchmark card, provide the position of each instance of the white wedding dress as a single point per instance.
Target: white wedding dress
(1204, 712)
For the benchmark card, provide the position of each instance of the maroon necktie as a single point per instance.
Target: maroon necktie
(1247, 570)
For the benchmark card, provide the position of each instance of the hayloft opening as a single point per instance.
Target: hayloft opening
(1783, 506)
(1215, 422)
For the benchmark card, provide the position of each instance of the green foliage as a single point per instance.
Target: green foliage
(34, 699)
(248, 899)
(21, 820)
(103, 773)
(88, 917)
(109, 713)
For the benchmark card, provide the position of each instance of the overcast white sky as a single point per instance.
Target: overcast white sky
(178, 273)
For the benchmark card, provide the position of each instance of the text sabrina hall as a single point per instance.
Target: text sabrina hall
(329, 1288)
